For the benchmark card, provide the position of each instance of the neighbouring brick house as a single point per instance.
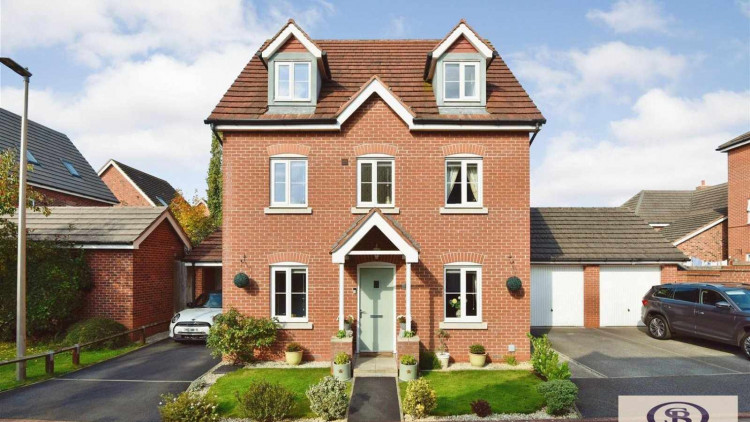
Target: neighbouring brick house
(132, 262)
(204, 265)
(136, 188)
(693, 220)
(59, 172)
(738, 159)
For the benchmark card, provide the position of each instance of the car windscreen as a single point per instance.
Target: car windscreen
(208, 300)
(740, 297)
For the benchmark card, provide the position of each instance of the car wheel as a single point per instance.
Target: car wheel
(745, 345)
(658, 327)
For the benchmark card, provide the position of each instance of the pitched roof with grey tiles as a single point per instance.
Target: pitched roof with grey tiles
(596, 235)
(152, 186)
(684, 210)
(209, 250)
(94, 225)
(51, 148)
(742, 139)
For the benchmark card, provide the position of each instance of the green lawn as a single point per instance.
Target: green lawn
(506, 391)
(295, 380)
(35, 368)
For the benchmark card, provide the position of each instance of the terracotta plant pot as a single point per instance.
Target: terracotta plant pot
(477, 360)
(444, 358)
(342, 372)
(293, 358)
(407, 372)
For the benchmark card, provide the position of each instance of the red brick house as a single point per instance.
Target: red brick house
(136, 188)
(204, 265)
(378, 178)
(738, 158)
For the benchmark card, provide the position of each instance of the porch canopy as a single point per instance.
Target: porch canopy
(375, 234)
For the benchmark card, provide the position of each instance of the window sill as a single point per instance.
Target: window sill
(483, 210)
(287, 210)
(296, 325)
(463, 325)
(365, 210)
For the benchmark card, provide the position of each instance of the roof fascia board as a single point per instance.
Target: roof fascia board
(725, 149)
(176, 226)
(337, 127)
(376, 87)
(125, 175)
(71, 193)
(376, 220)
(470, 35)
(291, 30)
(574, 262)
(202, 264)
(699, 231)
(102, 246)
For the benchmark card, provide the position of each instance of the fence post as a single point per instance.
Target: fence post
(143, 335)
(77, 355)
(49, 365)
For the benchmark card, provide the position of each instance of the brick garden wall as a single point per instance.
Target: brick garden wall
(250, 236)
(123, 190)
(739, 194)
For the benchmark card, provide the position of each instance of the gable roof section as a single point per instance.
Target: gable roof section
(209, 250)
(597, 235)
(399, 65)
(461, 30)
(292, 30)
(101, 227)
(737, 142)
(388, 225)
(150, 187)
(51, 148)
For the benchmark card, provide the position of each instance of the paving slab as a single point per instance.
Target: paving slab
(374, 399)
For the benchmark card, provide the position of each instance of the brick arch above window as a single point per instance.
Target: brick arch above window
(454, 149)
(278, 257)
(384, 149)
(280, 149)
(452, 257)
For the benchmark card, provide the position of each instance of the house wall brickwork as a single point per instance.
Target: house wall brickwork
(111, 294)
(123, 190)
(502, 235)
(591, 296)
(739, 194)
(60, 199)
(711, 245)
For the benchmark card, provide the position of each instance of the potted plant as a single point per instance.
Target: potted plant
(293, 353)
(402, 324)
(407, 368)
(442, 351)
(477, 355)
(342, 367)
(348, 322)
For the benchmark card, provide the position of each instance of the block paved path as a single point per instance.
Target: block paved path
(374, 399)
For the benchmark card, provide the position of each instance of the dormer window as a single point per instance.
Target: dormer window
(293, 81)
(460, 81)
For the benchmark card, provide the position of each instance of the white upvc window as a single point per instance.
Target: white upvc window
(288, 182)
(462, 295)
(747, 257)
(463, 182)
(289, 293)
(375, 182)
(461, 81)
(293, 81)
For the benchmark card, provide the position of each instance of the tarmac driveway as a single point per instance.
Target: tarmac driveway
(608, 362)
(126, 388)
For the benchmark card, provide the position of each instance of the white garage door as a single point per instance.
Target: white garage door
(556, 296)
(621, 290)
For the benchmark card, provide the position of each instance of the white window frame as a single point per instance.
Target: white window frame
(288, 270)
(462, 81)
(464, 160)
(463, 268)
(288, 184)
(291, 65)
(374, 160)
(747, 257)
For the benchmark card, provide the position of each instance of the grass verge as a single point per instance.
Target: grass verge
(506, 391)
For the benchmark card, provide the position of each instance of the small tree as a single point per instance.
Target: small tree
(214, 181)
(195, 223)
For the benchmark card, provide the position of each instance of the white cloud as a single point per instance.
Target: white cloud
(744, 7)
(396, 27)
(669, 143)
(633, 15)
(145, 105)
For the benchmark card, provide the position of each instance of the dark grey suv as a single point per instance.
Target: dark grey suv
(714, 311)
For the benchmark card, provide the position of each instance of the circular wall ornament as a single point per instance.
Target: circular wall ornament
(514, 284)
(241, 280)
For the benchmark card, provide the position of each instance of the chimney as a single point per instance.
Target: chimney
(702, 185)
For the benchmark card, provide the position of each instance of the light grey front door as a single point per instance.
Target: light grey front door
(376, 310)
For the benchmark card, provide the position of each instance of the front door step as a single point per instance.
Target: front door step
(375, 366)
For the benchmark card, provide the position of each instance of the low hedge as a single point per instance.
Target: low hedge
(94, 329)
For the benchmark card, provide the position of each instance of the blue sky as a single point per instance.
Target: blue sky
(637, 93)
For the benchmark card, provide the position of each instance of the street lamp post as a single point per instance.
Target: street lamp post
(21, 271)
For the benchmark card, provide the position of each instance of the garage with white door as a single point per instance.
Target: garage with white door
(556, 296)
(621, 289)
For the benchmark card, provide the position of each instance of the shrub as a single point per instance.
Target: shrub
(341, 334)
(442, 335)
(293, 347)
(408, 360)
(428, 360)
(546, 361)
(188, 407)
(511, 360)
(328, 398)
(94, 329)
(481, 408)
(408, 334)
(401, 319)
(420, 398)
(265, 402)
(477, 349)
(560, 395)
(238, 336)
(342, 358)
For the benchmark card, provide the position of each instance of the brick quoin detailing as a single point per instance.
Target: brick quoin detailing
(739, 194)
(60, 199)
(711, 245)
(501, 237)
(125, 192)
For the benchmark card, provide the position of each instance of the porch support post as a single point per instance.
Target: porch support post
(408, 296)
(341, 296)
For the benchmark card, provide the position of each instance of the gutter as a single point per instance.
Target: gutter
(216, 134)
(536, 132)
